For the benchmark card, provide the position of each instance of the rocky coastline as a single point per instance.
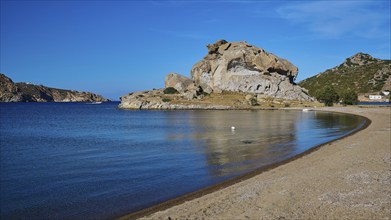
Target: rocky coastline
(27, 92)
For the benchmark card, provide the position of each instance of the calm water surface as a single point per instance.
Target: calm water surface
(81, 161)
(374, 103)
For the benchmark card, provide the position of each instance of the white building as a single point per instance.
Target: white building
(375, 97)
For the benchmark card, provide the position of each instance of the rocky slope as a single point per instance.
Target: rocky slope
(25, 92)
(361, 73)
(229, 67)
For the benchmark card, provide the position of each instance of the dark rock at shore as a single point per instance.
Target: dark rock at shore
(26, 92)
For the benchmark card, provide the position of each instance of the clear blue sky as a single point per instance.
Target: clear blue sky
(115, 47)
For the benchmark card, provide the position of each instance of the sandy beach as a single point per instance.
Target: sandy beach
(346, 179)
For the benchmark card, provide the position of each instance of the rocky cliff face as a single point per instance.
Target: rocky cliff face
(255, 75)
(241, 67)
(8, 90)
(25, 92)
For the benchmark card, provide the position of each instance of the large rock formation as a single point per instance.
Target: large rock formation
(245, 75)
(26, 92)
(241, 67)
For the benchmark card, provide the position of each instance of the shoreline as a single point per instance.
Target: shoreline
(188, 206)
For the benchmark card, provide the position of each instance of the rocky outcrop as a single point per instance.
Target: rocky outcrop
(241, 67)
(8, 90)
(252, 74)
(26, 92)
(359, 59)
(177, 81)
(183, 85)
(156, 99)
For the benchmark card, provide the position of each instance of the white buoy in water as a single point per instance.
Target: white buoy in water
(233, 128)
(305, 110)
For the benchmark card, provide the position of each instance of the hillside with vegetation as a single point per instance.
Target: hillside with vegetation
(360, 74)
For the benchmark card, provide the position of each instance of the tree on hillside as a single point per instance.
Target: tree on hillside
(327, 95)
(349, 97)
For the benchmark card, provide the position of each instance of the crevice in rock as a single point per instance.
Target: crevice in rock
(278, 88)
(276, 70)
(267, 88)
(239, 64)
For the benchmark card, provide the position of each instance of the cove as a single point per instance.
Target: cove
(78, 161)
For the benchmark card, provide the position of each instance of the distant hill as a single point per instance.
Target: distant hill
(27, 92)
(361, 73)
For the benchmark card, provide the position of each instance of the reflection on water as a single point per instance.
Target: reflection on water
(338, 122)
(256, 136)
(67, 161)
(260, 137)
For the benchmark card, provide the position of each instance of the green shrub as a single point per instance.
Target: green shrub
(349, 97)
(170, 90)
(328, 96)
(254, 102)
(166, 100)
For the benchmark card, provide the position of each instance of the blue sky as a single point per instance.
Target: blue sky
(115, 47)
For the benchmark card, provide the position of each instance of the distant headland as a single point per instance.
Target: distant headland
(27, 92)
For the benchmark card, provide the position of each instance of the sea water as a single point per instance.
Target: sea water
(83, 161)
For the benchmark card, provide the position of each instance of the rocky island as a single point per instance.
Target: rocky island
(27, 92)
(232, 75)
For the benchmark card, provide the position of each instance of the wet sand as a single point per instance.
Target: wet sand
(346, 179)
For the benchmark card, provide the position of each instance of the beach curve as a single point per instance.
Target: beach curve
(346, 178)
